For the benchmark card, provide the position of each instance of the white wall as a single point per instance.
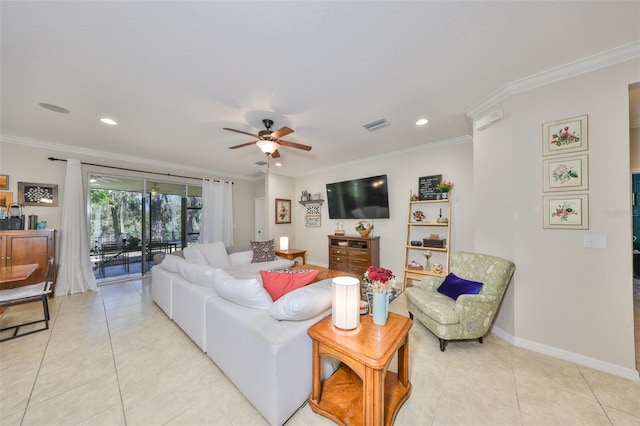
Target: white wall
(280, 187)
(566, 300)
(452, 159)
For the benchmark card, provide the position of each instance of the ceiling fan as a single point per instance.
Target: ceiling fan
(269, 140)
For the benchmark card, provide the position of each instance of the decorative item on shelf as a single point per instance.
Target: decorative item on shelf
(418, 216)
(305, 196)
(414, 197)
(343, 243)
(345, 302)
(434, 242)
(444, 188)
(415, 266)
(382, 283)
(437, 267)
(416, 243)
(364, 228)
(427, 255)
(339, 231)
(441, 219)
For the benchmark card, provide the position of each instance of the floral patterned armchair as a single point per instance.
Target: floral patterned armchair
(471, 315)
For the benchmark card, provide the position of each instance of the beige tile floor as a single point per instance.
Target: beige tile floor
(113, 358)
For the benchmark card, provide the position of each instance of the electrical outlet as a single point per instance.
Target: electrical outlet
(595, 241)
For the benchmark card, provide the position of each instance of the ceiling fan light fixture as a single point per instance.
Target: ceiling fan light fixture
(268, 147)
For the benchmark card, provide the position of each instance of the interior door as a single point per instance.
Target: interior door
(259, 232)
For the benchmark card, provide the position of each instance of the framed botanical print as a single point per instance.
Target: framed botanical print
(37, 194)
(566, 211)
(565, 136)
(566, 173)
(283, 211)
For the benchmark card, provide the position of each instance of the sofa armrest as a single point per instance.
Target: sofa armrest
(431, 283)
(471, 307)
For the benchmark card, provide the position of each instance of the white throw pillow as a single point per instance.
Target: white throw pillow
(171, 262)
(194, 255)
(303, 303)
(241, 257)
(216, 255)
(249, 293)
(197, 274)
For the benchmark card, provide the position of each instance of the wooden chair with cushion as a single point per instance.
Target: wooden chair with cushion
(27, 294)
(464, 309)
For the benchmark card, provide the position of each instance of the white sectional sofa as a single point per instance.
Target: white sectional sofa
(261, 345)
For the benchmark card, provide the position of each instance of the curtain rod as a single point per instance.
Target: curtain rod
(139, 171)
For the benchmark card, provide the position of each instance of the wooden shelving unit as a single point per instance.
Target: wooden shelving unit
(419, 230)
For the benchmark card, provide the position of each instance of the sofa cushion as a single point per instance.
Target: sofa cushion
(197, 274)
(279, 283)
(303, 303)
(216, 254)
(249, 292)
(453, 286)
(263, 251)
(194, 255)
(241, 257)
(170, 263)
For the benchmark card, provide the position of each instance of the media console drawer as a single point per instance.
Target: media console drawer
(353, 254)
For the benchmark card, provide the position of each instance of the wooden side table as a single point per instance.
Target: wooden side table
(361, 391)
(292, 254)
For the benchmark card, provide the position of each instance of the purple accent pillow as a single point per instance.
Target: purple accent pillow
(453, 286)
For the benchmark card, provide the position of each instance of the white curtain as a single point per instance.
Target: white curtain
(217, 212)
(75, 274)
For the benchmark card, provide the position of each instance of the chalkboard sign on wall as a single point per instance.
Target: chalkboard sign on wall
(428, 187)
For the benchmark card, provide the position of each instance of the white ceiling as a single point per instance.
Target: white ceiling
(173, 74)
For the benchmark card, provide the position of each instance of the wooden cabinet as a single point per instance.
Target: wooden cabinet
(353, 253)
(24, 247)
(436, 219)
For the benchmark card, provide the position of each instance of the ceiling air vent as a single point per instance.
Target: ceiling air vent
(376, 125)
(261, 163)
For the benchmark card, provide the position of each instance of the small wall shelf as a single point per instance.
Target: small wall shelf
(304, 203)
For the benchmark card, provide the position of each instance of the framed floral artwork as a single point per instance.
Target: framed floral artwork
(565, 136)
(37, 194)
(566, 173)
(4, 182)
(566, 211)
(283, 211)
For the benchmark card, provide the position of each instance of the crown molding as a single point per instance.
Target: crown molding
(581, 66)
(75, 150)
(416, 149)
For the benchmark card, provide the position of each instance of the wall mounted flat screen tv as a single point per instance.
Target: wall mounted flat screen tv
(365, 198)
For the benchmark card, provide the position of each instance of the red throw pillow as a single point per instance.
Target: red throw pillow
(278, 284)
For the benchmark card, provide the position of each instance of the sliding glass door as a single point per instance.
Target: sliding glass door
(131, 220)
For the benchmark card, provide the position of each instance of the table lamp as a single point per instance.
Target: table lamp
(284, 243)
(345, 302)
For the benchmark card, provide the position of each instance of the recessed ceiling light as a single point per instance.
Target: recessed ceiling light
(109, 121)
(54, 108)
(278, 164)
(422, 122)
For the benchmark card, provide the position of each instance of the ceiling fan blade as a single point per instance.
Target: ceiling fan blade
(295, 145)
(275, 154)
(283, 131)
(242, 144)
(240, 131)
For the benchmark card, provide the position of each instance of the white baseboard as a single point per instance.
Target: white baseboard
(586, 361)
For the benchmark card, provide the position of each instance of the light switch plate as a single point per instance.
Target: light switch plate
(596, 241)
